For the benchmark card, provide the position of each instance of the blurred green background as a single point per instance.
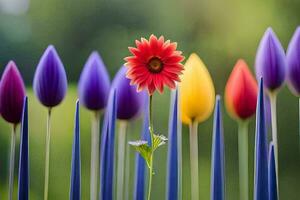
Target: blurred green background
(219, 31)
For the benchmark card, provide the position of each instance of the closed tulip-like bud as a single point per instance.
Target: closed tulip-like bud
(129, 101)
(12, 93)
(197, 93)
(270, 61)
(50, 80)
(241, 92)
(94, 83)
(293, 63)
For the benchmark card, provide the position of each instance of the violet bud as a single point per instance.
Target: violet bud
(12, 93)
(50, 80)
(129, 100)
(270, 61)
(94, 83)
(293, 63)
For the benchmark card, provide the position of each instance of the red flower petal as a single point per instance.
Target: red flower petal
(241, 92)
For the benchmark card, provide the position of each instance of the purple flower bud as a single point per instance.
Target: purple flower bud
(270, 61)
(94, 84)
(129, 101)
(50, 80)
(12, 93)
(293, 63)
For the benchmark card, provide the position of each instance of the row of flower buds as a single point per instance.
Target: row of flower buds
(50, 87)
(273, 65)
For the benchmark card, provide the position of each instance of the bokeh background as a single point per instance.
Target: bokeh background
(220, 32)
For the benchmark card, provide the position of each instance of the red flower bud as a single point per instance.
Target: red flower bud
(241, 92)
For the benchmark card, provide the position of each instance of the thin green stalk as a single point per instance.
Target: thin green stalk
(121, 159)
(12, 161)
(273, 98)
(151, 158)
(95, 138)
(194, 160)
(243, 159)
(47, 156)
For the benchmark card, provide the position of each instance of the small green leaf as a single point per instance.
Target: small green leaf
(158, 140)
(143, 148)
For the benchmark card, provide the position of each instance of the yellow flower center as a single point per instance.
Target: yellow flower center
(155, 65)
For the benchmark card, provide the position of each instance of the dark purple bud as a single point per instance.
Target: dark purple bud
(293, 63)
(270, 61)
(94, 83)
(50, 80)
(12, 93)
(129, 101)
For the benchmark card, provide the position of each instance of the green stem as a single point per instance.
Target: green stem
(95, 138)
(121, 158)
(47, 156)
(12, 161)
(273, 98)
(151, 158)
(194, 160)
(243, 159)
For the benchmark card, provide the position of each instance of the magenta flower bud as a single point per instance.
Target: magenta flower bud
(50, 80)
(94, 83)
(12, 93)
(270, 61)
(129, 101)
(293, 63)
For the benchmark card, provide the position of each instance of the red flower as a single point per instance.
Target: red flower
(154, 63)
(241, 92)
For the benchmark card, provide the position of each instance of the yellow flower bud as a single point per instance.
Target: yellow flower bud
(197, 93)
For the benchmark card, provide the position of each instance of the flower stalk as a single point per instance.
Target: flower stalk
(47, 155)
(243, 159)
(12, 161)
(151, 138)
(273, 99)
(121, 159)
(95, 139)
(194, 160)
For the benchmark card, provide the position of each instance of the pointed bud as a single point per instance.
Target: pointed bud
(197, 92)
(270, 61)
(50, 80)
(293, 63)
(12, 93)
(241, 92)
(94, 83)
(129, 101)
